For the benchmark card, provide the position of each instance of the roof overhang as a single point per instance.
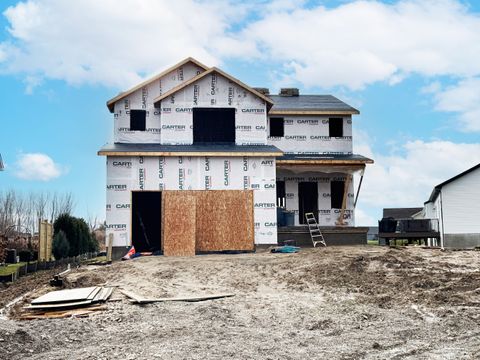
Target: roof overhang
(111, 102)
(314, 112)
(190, 150)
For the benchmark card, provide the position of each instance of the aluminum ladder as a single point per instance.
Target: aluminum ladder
(315, 233)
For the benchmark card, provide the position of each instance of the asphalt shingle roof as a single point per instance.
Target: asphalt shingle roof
(310, 102)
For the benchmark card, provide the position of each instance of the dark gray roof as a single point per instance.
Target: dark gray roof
(310, 102)
(146, 148)
(352, 157)
(438, 188)
(400, 213)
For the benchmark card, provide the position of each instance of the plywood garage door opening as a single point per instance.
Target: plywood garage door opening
(207, 221)
(146, 220)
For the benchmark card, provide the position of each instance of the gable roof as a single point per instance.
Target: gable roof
(222, 73)
(311, 104)
(111, 102)
(438, 188)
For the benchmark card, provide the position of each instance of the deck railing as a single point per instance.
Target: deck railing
(389, 225)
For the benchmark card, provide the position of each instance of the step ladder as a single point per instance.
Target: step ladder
(315, 233)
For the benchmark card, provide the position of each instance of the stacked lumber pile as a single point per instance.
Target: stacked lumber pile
(66, 303)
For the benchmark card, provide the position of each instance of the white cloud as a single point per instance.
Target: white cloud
(112, 42)
(464, 99)
(353, 45)
(405, 178)
(364, 219)
(366, 41)
(37, 166)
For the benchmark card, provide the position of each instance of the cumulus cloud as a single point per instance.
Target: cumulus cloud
(37, 166)
(463, 99)
(407, 175)
(352, 45)
(111, 42)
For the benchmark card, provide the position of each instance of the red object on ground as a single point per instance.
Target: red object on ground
(129, 254)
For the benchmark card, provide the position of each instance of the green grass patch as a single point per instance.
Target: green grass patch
(10, 268)
(372, 242)
(97, 259)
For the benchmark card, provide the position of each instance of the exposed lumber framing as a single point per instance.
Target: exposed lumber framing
(358, 191)
(111, 102)
(188, 153)
(202, 75)
(314, 112)
(340, 220)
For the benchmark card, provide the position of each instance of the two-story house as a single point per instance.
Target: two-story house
(235, 150)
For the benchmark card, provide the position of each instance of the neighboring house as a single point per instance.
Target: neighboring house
(402, 213)
(456, 205)
(197, 128)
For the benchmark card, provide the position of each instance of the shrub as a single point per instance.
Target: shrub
(78, 234)
(60, 246)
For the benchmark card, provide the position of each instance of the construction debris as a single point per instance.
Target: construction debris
(137, 299)
(58, 278)
(71, 298)
(287, 249)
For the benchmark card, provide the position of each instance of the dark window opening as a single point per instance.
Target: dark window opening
(277, 127)
(307, 200)
(335, 127)
(280, 185)
(138, 120)
(337, 189)
(146, 220)
(213, 125)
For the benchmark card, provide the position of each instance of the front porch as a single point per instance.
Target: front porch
(333, 235)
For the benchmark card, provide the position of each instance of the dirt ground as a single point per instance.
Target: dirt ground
(336, 303)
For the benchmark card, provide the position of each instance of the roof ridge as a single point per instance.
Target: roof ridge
(121, 95)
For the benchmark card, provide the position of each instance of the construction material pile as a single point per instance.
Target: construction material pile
(65, 303)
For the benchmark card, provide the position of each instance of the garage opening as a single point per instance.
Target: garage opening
(308, 200)
(146, 220)
(213, 125)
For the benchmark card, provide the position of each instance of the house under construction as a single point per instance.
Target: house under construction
(201, 161)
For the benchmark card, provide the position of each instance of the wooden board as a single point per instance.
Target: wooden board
(224, 221)
(207, 221)
(178, 223)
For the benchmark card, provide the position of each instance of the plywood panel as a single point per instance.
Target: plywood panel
(178, 223)
(224, 221)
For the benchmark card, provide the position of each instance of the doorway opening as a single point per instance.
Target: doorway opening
(308, 200)
(147, 220)
(337, 188)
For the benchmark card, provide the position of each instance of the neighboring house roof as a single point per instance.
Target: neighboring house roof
(120, 149)
(400, 213)
(318, 159)
(438, 188)
(111, 102)
(202, 75)
(310, 104)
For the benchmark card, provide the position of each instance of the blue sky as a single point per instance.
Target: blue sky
(411, 67)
